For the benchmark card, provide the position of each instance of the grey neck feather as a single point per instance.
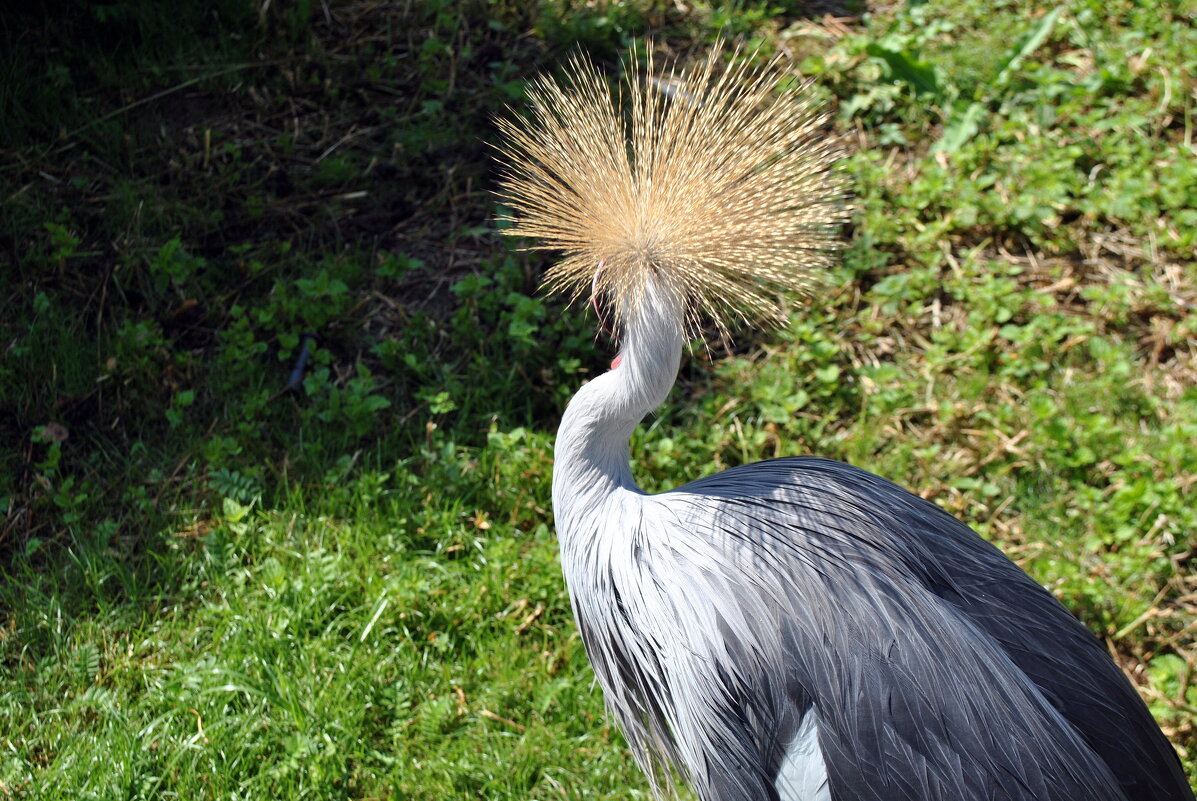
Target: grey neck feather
(591, 456)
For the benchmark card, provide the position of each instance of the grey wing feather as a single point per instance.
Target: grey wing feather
(936, 668)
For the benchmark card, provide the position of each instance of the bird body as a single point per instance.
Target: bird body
(801, 630)
(795, 629)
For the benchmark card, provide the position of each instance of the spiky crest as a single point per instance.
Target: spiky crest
(719, 181)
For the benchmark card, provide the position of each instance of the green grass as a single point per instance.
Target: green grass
(212, 586)
(298, 655)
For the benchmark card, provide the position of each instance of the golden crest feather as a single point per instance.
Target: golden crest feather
(719, 181)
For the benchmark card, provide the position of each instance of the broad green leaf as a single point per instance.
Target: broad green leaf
(960, 128)
(906, 68)
(1028, 44)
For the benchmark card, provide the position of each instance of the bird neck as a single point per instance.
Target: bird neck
(591, 456)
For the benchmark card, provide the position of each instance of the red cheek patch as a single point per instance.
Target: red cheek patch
(615, 362)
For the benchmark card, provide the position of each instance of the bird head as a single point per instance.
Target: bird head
(713, 187)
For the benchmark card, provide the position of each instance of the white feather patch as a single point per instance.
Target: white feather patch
(803, 774)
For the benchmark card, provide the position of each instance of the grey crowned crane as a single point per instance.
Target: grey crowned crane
(796, 629)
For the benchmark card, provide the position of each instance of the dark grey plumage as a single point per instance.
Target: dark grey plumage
(935, 668)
